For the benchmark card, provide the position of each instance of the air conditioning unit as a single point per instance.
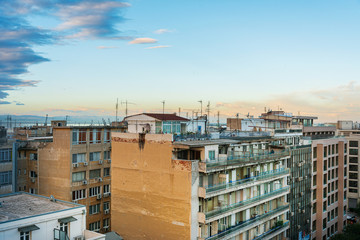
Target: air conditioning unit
(100, 179)
(302, 193)
(75, 201)
(86, 163)
(100, 162)
(106, 211)
(299, 210)
(303, 211)
(109, 161)
(106, 227)
(79, 238)
(85, 182)
(292, 214)
(75, 165)
(299, 164)
(106, 194)
(98, 197)
(307, 221)
(298, 226)
(33, 180)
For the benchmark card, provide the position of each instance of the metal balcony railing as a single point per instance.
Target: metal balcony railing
(241, 225)
(271, 231)
(247, 158)
(246, 202)
(261, 176)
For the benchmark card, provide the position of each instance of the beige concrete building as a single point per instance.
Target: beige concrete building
(7, 161)
(329, 187)
(74, 166)
(210, 189)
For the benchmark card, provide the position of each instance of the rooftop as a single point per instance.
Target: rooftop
(23, 205)
(162, 117)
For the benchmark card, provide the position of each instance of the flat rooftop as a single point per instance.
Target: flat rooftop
(22, 205)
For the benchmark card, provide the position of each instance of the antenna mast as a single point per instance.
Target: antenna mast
(117, 107)
(163, 102)
(200, 107)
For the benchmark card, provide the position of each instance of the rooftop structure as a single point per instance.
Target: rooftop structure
(28, 216)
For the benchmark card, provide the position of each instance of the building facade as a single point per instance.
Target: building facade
(74, 166)
(329, 187)
(211, 189)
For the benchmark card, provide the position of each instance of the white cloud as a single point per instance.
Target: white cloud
(106, 47)
(162, 46)
(162, 30)
(143, 41)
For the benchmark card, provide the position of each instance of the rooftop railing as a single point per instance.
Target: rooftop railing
(261, 176)
(241, 225)
(248, 158)
(244, 203)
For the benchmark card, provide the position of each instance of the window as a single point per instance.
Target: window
(314, 225)
(94, 156)
(353, 184)
(94, 209)
(314, 166)
(325, 165)
(353, 144)
(325, 151)
(324, 223)
(64, 227)
(107, 136)
(324, 206)
(314, 180)
(353, 159)
(78, 176)
(107, 188)
(353, 168)
(106, 222)
(95, 226)
(314, 194)
(33, 156)
(5, 155)
(95, 173)
(24, 235)
(212, 155)
(95, 136)
(106, 155)
(106, 172)
(106, 206)
(33, 174)
(353, 175)
(353, 151)
(315, 152)
(314, 208)
(79, 136)
(79, 194)
(5, 178)
(78, 158)
(94, 191)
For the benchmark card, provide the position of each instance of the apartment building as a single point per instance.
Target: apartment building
(26, 216)
(347, 130)
(73, 166)
(209, 189)
(7, 161)
(329, 187)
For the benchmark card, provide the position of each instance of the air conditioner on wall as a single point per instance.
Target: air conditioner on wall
(86, 163)
(85, 182)
(75, 165)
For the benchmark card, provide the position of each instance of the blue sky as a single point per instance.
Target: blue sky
(242, 56)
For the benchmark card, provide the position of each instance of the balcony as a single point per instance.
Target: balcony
(273, 232)
(245, 203)
(60, 235)
(256, 220)
(246, 182)
(247, 158)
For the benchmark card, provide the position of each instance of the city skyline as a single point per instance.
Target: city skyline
(78, 57)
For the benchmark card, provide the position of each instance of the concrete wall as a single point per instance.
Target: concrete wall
(151, 193)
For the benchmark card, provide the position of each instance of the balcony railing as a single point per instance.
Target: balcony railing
(261, 176)
(271, 231)
(248, 158)
(241, 225)
(245, 202)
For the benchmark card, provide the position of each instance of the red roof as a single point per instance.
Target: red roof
(166, 117)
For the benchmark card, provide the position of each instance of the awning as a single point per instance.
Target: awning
(67, 220)
(28, 228)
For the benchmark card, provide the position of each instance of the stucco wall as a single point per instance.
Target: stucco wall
(151, 193)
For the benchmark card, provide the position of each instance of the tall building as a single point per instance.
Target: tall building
(209, 189)
(329, 187)
(7, 162)
(73, 166)
(26, 216)
(351, 133)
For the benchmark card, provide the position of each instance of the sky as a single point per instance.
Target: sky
(77, 57)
